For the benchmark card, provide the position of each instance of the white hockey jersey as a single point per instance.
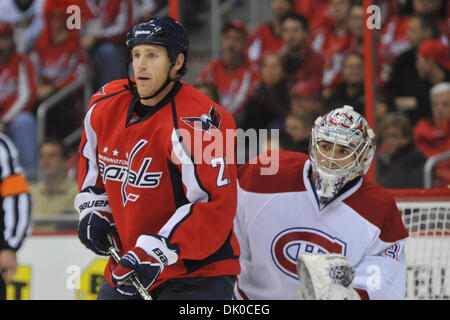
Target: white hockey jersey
(278, 218)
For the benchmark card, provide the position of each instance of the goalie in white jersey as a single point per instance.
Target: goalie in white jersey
(320, 220)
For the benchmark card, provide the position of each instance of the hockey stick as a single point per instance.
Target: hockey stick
(133, 278)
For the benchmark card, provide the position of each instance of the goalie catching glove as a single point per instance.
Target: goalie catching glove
(147, 260)
(325, 277)
(96, 222)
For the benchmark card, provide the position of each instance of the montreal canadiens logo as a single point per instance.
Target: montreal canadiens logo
(290, 243)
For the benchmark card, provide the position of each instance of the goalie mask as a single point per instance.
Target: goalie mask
(341, 149)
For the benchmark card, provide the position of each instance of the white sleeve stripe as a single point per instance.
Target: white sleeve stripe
(180, 214)
(5, 161)
(22, 223)
(16, 219)
(9, 218)
(23, 95)
(8, 153)
(89, 152)
(194, 191)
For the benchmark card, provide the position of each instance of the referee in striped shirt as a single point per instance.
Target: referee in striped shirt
(15, 211)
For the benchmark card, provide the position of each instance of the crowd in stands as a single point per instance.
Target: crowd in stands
(307, 59)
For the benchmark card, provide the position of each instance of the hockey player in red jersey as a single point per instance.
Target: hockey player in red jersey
(141, 178)
(321, 221)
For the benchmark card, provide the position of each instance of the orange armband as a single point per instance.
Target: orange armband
(13, 185)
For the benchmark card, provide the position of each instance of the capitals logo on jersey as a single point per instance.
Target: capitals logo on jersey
(121, 170)
(290, 243)
(205, 121)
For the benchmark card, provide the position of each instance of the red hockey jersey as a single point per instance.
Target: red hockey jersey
(159, 178)
(17, 87)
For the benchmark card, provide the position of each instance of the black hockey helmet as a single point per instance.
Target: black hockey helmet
(163, 31)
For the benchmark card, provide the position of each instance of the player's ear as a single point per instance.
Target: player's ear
(178, 63)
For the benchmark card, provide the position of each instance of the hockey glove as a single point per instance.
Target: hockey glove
(96, 222)
(93, 231)
(325, 277)
(147, 260)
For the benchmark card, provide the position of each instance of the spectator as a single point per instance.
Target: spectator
(394, 38)
(399, 163)
(54, 194)
(59, 60)
(269, 103)
(106, 24)
(209, 90)
(316, 11)
(305, 95)
(298, 126)
(432, 135)
(301, 62)
(333, 41)
(404, 78)
(232, 73)
(439, 9)
(17, 99)
(26, 16)
(433, 66)
(351, 90)
(356, 26)
(267, 36)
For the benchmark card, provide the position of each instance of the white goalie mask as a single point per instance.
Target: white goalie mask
(341, 129)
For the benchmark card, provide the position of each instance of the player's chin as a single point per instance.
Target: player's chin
(144, 91)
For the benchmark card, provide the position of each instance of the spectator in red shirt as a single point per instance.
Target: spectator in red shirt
(232, 73)
(267, 36)
(57, 56)
(104, 29)
(432, 135)
(316, 11)
(306, 95)
(433, 66)
(268, 104)
(17, 99)
(394, 39)
(404, 78)
(333, 41)
(59, 60)
(301, 62)
(351, 90)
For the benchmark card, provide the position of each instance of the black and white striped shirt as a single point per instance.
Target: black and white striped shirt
(15, 198)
